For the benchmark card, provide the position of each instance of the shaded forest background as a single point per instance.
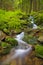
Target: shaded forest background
(24, 5)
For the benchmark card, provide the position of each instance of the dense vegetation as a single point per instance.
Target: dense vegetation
(39, 51)
(38, 16)
(15, 22)
(10, 20)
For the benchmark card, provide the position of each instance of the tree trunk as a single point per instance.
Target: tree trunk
(38, 5)
(34, 5)
(30, 8)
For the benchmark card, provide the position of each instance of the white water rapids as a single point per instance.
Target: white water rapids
(20, 52)
(32, 21)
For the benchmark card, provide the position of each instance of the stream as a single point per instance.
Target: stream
(22, 50)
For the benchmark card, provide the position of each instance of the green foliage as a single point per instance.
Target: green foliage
(38, 17)
(7, 45)
(30, 39)
(11, 41)
(4, 45)
(6, 31)
(5, 48)
(39, 51)
(10, 20)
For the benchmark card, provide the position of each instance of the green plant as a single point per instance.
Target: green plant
(6, 31)
(30, 39)
(39, 51)
(5, 45)
(10, 20)
(11, 41)
(5, 48)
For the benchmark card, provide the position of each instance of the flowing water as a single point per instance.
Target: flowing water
(32, 21)
(20, 52)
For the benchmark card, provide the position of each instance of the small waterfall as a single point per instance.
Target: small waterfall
(23, 48)
(32, 21)
(20, 36)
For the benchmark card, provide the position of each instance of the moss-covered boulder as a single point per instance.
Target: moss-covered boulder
(11, 41)
(39, 51)
(7, 45)
(5, 48)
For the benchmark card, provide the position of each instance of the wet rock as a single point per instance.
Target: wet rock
(40, 39)
(2, 35)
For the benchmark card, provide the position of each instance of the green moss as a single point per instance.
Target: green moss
(30, 39)
(10, 20)
(11, 41)
(5, 45)
(5, 48)
(39, 51)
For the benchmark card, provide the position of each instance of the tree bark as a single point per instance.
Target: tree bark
(30, 8)
(34, 5)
